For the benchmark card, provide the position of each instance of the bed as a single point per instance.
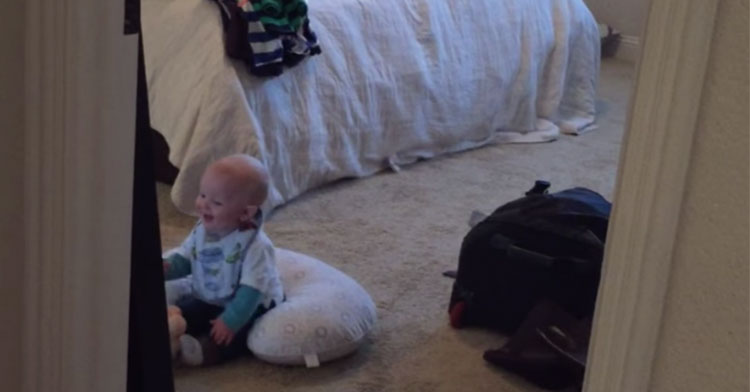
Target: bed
(398, 80)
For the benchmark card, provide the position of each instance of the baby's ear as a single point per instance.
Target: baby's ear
(249, 213)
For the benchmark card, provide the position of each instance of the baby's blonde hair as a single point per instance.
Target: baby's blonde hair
(247, 173)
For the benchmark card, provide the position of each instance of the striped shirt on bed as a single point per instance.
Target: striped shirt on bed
(276, 33)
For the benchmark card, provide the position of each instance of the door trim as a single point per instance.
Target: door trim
(654, 159)
(80, 81)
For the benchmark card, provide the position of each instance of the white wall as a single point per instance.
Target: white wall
(11, 191)
(703, 342)
(627, 16)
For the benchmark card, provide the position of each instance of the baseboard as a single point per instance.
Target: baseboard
(629, 48)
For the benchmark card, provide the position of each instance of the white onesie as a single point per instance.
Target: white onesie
(244, 257)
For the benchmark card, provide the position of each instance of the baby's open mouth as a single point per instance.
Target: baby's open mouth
(208, 218)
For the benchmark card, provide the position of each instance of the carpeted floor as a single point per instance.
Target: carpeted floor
(396, 233)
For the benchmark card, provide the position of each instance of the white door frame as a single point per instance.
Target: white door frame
(648, 197)
(80, 119)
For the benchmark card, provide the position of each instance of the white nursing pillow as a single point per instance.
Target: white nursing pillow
(326, 314)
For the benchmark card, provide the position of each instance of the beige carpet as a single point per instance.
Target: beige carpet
(396, 233)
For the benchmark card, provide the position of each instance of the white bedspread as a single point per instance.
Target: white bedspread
(397, 80)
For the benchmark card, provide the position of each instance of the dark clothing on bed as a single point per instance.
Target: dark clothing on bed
(267, 34)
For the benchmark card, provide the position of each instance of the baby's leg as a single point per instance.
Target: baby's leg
(238, 346)
(198, 349)
(198, 315)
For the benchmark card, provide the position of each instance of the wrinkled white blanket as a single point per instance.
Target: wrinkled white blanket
(397, 80)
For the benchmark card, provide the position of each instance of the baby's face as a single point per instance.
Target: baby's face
(222, 206)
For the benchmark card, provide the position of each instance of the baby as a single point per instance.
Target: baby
(230, 261)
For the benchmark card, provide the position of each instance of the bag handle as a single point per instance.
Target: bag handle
(525, 256)
(540, 188)
(597, 225)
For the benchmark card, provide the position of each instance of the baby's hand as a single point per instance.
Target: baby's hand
(221, 334)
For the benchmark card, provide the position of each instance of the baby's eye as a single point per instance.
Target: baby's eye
(202, 196)
(218, 203)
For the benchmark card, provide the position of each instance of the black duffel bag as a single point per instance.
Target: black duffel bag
(540, 247)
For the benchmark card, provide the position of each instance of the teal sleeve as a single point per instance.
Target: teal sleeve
(179, 266)
(239, 310)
